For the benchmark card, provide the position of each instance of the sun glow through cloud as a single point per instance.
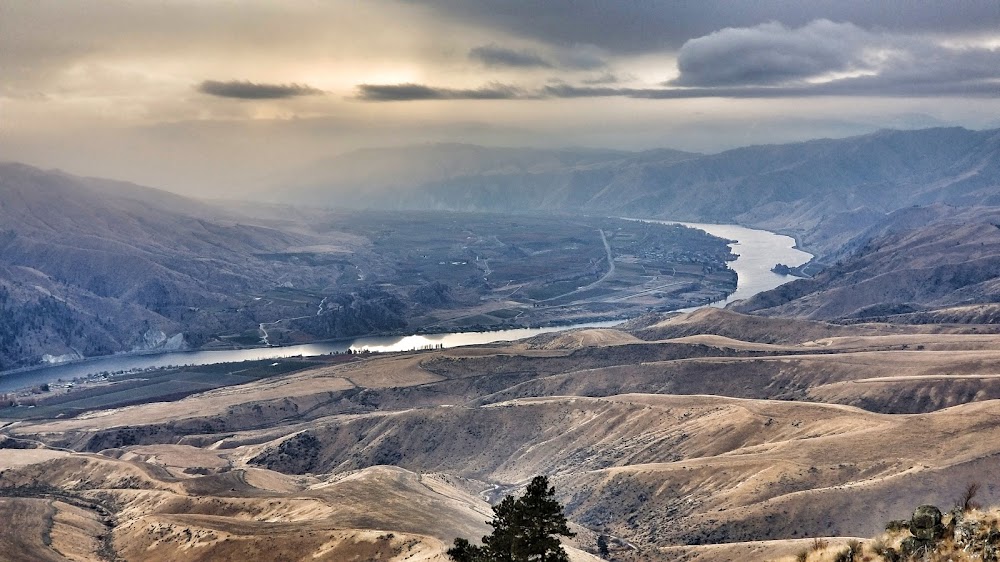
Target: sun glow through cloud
(126, 71)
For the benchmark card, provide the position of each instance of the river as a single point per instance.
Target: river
(758, 251)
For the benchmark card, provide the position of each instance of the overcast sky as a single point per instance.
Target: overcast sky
(218, 96)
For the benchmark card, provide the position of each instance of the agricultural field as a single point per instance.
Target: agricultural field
(482, 271)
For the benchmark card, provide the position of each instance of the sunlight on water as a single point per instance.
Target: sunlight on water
(759, 251)
(457, 339)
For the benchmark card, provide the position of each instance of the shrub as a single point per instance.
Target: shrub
(966, 500)
(879, 546)
(897, 525)
(851, 553)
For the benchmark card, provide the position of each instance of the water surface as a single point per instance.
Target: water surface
(758, 251)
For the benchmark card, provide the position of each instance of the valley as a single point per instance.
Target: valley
(477, 272)
(178, 274)
(794, 410)
(516, 281)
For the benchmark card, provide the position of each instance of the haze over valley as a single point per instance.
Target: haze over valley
(476, 282)
(133, 269)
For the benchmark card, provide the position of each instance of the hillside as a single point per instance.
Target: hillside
(93, 267)
(822, 191)
(692, 447)
(913, 268)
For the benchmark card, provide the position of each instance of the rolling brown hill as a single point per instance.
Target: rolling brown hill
(701, 446)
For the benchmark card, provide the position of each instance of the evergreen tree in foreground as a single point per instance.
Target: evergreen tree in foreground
(526, 529)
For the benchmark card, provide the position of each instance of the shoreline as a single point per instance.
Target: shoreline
(235, 351)
(331, 341)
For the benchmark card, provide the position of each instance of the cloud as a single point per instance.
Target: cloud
(644, 26)
(577, 57)
(570, 91)
(605, 78)
(772, 54)
(495, 55)
(828, 58)
(417, 92)
(866, 87)
(247, 90)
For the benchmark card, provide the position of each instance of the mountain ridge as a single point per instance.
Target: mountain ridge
(819, 190)
(917, 260)
(110, 262)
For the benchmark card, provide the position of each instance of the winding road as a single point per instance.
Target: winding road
(609, 273)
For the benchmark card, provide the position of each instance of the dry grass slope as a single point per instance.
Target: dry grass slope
(702, 446)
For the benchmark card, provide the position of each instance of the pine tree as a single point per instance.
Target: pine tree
(507, 522)
(526, 529)
(602, 547)
(464, 551)
(542, 523)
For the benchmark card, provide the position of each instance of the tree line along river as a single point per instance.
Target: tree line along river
(757, 250)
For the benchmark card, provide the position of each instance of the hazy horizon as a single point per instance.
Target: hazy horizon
(212, 99)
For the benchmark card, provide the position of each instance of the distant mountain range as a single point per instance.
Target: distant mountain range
(823, 191)
(903, 220)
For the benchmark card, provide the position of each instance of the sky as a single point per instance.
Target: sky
(222, 97)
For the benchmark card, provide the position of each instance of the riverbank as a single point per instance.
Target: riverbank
(757, 252)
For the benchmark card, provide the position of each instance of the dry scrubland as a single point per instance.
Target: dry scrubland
(966, 535)
(709, 436)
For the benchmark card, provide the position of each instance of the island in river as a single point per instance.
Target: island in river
(752, 249)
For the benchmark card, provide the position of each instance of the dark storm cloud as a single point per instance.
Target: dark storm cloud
(821, 58)
(495, 55)
(418, 92)
(252, 91)
(772, 54)
(825, 57)
(637, 26)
